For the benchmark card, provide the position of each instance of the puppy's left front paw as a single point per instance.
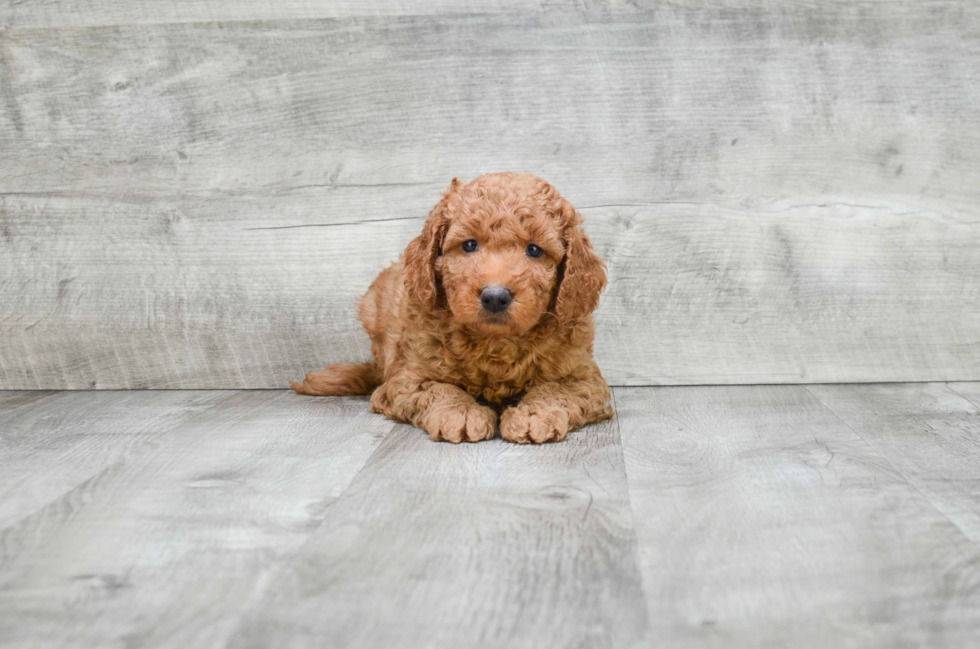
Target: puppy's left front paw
(534, 425)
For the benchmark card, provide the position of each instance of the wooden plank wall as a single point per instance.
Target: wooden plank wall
(192, 195)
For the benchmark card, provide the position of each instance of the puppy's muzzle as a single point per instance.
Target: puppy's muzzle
(496, 299)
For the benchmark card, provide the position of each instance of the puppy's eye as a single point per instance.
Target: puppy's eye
(534, 251)
(469, 245)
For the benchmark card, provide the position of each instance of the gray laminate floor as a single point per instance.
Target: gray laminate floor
(784, 516)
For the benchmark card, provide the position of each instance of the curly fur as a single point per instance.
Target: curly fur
(445, 364)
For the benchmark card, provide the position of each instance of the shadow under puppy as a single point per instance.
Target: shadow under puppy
(491, 303)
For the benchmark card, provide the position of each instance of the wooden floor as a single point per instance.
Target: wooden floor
(776, 516)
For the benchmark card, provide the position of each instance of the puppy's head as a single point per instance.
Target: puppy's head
(503, 251)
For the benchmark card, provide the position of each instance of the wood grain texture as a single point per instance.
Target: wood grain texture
(781, 292)
(52, 445)
(10, 400)
(763, 520)
(489, 545)
(782, 195)
(165, 547)
(724, 517)
(63, 13)
(928, 432)
(612, 108)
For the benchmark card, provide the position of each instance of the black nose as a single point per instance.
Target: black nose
(496, 298)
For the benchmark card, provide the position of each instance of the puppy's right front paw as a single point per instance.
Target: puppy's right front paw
(455, 424)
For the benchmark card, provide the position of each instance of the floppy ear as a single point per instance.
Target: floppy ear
(581, 275)
(422, 252)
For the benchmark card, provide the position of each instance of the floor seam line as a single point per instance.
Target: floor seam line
(275, 572)
(629, 504)
(134, 451)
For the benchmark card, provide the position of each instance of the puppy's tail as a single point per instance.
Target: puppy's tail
(341, 380)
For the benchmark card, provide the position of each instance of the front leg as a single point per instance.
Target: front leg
(445, 411)
(550, 410)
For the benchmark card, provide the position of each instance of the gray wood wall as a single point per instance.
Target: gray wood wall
(192, 195)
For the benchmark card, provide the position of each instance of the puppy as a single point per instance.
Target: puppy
(488, 311)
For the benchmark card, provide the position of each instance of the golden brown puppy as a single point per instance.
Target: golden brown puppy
(492, 301)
